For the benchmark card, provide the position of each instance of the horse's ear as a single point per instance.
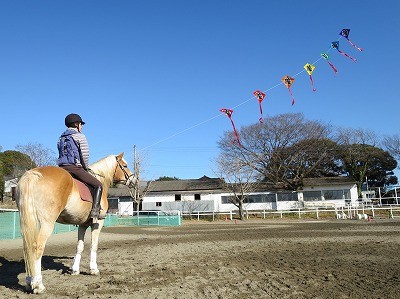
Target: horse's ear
(119, 157)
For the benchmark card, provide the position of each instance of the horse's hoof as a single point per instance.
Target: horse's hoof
(94, 272)
(39, 290)
(75, 272)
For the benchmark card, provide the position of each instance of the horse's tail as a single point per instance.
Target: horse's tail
(28, 218)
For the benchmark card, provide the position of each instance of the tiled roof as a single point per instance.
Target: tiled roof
(324, 181)
(204, 183)
(210, 184)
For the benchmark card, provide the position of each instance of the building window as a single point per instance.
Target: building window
(336, 194)
(227, 199)
(286, 196)
(158, 204)
(197, 197)
(178, 197)
(312, 195)
(254, 198)
(260, 198)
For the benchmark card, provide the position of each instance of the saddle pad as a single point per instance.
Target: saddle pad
(84, 191)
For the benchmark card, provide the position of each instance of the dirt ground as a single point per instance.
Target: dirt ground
(224, 259)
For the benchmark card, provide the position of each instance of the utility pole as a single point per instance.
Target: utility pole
(136, 171)
(135, 195)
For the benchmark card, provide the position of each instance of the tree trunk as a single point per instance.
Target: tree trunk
(241, 212)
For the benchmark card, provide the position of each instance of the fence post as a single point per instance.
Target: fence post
(198, 216)
(373, 212)
(391, 212)
(213, 215)
(299, 214)
(15, 229)
(317, 214)
(179, 218)
(230, 214)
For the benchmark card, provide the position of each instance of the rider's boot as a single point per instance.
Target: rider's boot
(95, 212)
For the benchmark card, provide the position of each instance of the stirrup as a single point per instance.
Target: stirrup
(96, 215)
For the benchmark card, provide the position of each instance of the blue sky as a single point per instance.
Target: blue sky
(155, 73)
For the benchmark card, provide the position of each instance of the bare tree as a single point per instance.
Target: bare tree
(136, 194)
(347, 136)
(191, 206)
(239, 179)
(40, 155)
(363, 160)
(392, 145)
(265, 148)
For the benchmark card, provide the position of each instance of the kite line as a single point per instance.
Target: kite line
(261, 95)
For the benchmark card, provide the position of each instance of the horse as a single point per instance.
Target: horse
(49, 194)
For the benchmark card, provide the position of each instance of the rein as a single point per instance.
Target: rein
(95, 174)
(126, 174)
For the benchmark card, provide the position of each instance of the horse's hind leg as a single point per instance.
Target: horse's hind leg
(34, 283)
(96, 228)
(79, 250)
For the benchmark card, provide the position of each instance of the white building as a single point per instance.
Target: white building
(208, 195)
(9, 185)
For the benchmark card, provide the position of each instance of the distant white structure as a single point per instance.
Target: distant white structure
(208, 195)
(10, 184)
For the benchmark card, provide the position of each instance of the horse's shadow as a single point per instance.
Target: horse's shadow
(9, 270)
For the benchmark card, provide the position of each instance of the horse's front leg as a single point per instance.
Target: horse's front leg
(96, 228)
(79, 250)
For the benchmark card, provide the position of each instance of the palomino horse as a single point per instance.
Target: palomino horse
(49, 194)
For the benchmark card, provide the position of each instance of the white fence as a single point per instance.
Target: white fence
(348, 212)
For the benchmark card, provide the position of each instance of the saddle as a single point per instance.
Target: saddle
(84, 191)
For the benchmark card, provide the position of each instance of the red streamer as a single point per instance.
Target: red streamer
(347, 55)
(260, 96)
(326, 57)
(312, 84)
(228, 113)
(288, 81)
(335, 45)
(333, 67)
(354, 45)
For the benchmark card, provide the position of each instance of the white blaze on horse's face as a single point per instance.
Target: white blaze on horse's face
(131, 181)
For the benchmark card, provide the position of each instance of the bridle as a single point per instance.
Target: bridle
(128, 177)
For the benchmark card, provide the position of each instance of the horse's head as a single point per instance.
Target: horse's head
(122, 173)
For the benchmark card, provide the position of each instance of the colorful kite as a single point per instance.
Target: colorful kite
(335, 45)
(345, 33)
(310, 68)
(288, 81)
(228, 113)
(326, 57)
(260, 96)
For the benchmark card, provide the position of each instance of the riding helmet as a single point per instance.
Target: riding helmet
(73, 118)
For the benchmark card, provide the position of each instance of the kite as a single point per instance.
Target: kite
(335, 45)
(326, 57)
(288, 81)
(228, 113)
(310, 68)
(345, 33)
(260, 96)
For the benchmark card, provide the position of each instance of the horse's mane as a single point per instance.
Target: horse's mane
(105, 168)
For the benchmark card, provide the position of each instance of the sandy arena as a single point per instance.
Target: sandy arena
(224, 259)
